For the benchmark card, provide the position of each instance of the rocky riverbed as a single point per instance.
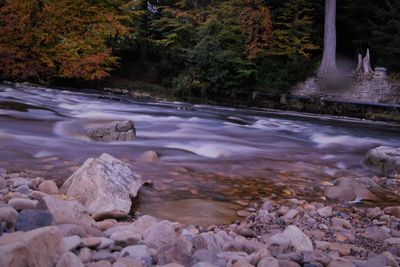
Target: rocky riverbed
(88, 221)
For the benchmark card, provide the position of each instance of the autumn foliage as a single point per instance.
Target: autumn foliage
(42, 39)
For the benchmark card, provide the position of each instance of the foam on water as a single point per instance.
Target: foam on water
(324, 140)
(213, 150)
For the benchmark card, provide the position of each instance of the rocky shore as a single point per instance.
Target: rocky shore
(88, 222)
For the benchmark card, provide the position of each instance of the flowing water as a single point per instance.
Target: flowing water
(211, 154)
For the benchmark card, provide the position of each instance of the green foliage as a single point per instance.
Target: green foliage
(210, 47)
(291, 47)
(293, 26)
(385, 34)
(216, 63)
(173, 32)
(277, 74)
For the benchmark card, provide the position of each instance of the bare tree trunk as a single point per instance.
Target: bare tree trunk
(359, 64)
(367, 63)
(328, 64)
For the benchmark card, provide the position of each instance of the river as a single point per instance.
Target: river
(209, 153)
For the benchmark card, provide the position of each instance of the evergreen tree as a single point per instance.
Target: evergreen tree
(384, 39)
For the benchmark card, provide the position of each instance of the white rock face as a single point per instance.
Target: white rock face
(105, 186)
(384, 159)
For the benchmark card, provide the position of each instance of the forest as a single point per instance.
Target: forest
(189, 47)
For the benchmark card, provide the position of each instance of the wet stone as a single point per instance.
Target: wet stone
(11, 195)
(243, 213)
(104, 243)
(107, 256)
(48, 187)
(325, 211)
(21, 181)
(106, 224)
(101, 263)
(69, 259)
(90, 242)
(125, 238)
(373, 213)
(8, 216)
(71, 242)
(31, 219)
(72, 229)
(22, 204)
(3, 184)
(85, 255)
(3, 173)
(23, 189)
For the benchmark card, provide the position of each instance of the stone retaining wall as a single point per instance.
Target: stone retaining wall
(359, 88)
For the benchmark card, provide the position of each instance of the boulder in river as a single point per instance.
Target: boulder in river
(348, 189)
(384, 159)
(111, 131)
(105, 186)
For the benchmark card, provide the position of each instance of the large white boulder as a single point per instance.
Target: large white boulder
(105, 186)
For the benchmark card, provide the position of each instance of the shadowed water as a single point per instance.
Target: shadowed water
(208, 153)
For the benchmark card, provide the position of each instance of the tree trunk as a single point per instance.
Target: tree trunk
(328, 64)
(367, 63)
(359, 64)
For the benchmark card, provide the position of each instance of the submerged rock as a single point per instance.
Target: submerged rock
(348, 189)
(105, 186)
(384, 159)
(193, 211)
(111, 131)
(149, 156)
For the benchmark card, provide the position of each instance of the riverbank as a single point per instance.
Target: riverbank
(40, 225)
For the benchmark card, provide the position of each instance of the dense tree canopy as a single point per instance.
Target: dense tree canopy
(192, 47)
(40, 39)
